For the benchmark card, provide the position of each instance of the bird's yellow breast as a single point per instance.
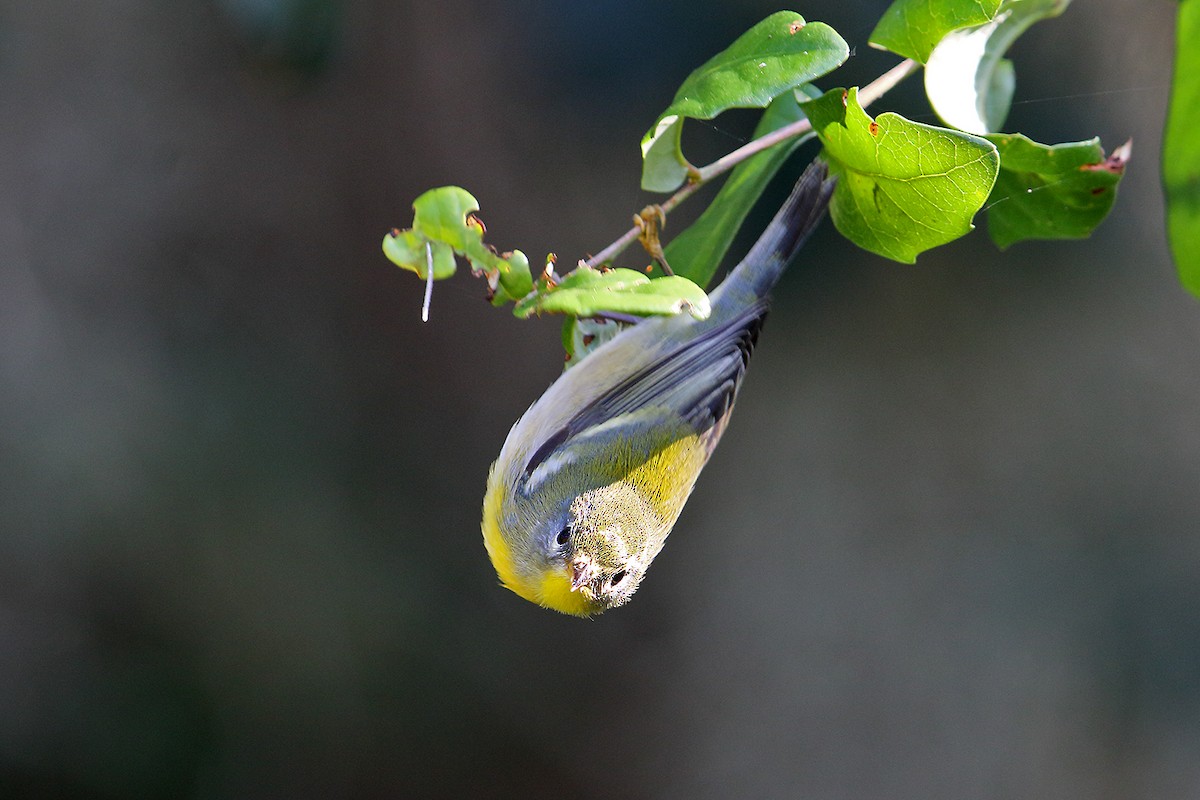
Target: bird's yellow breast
(548, 588)
(664, 481)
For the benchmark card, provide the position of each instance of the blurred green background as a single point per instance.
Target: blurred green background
(948, 549)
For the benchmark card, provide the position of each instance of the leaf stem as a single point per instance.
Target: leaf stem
(428, 282)
(867, 95)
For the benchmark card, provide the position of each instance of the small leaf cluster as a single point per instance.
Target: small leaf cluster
(903, 187)
(445, 225)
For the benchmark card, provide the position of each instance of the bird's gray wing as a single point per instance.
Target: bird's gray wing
(692, 385)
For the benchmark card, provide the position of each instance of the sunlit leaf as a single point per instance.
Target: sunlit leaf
(969, 82)
(912, 28)
(903, 187)
(587, 292)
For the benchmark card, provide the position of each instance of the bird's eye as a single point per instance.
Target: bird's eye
(617, 577)
(563, 536)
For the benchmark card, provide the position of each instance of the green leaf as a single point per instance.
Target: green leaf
(441, 214)
(969, 82)
(443, 225)
(777, 54)
(697, 252)
(1060, 191)
(407, 249)
(903, 187)
(587, 292)
(912, 28)
(509, 271)
(663, 166)
(1181, 155)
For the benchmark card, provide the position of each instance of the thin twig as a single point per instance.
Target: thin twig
(886, 82)
(867, 95)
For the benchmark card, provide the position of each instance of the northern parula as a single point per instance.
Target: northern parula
(593, 476)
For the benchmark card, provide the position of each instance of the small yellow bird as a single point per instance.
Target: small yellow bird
(593, 476)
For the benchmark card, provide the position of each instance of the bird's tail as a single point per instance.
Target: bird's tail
(798, 217)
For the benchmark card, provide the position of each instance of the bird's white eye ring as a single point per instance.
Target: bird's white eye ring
(564, 536)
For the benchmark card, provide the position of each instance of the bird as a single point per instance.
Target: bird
(593, 476)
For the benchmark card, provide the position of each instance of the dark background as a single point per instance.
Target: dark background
(948, 549)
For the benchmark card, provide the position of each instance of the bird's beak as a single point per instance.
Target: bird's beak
(582, 573)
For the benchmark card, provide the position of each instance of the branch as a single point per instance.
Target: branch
(867, 95)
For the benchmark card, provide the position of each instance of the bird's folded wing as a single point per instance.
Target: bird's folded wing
(688, 390)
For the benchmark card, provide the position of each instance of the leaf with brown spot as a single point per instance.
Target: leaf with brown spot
(1060, 191)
